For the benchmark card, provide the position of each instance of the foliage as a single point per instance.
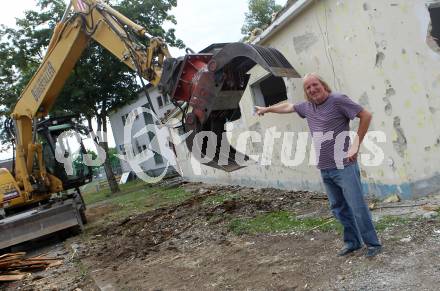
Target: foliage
(100, 82)
(390, 221)
(78, 164)
(114, 160)
(259, 15)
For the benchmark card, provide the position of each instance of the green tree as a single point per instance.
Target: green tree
(99, 82)
(114, 160)
(78, 163)
(259, 15)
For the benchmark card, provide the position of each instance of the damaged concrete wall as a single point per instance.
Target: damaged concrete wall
(381, 54)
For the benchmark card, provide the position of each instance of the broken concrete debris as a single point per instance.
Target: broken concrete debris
(392, 199)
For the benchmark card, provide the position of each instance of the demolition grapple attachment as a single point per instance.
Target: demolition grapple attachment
(212, 83)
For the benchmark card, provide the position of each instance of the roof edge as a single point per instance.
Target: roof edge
(279, 23)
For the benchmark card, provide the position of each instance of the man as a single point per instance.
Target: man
(328, 116)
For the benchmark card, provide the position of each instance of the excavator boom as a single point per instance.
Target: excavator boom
(89, 20)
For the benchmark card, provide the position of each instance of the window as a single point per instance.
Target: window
(122, 149)
(144, 149)
(159, 101)
(125, 119)
(181, 130)
(151, 135)
(166, 99)
(171, 146)
(434, 12)
(158, 158)
(269, 91)
(139, 148)
(148, 118)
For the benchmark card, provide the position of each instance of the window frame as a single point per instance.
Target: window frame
(257, 95)
(159, 101)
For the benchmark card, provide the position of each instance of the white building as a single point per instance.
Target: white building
(385, 55)
(156, 155)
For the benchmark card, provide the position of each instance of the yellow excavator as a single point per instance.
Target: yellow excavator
(210, 83)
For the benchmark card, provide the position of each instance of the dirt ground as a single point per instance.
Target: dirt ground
(190, 246)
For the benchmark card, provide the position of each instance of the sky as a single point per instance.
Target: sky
(199, 22)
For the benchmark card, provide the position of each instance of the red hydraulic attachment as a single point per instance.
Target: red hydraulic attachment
(213, 83)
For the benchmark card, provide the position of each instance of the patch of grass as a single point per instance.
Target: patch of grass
(219, 199)
(282, 221)
(137, 197)
(216, 218)
(172, 196)
(105, 194)
(82, 269)
(390, 221)
(279, 221)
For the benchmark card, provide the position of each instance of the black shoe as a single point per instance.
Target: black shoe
(345, 251)
(373, 251)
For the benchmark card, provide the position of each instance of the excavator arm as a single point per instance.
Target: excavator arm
(83, 21)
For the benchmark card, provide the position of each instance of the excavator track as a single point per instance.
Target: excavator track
(41, 221)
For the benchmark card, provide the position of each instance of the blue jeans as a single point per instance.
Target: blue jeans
(344, 191)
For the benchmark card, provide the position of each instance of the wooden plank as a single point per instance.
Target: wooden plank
(25, 264)
(10, 259)
(28, 267)
(7, 278)
(43, 259)
(15, 262)
(6, 260)
(6, 265)
(31, 267)
(55, 264)
(16, 272)
(20, 254)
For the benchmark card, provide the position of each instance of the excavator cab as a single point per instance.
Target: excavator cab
(49, 131)
(212, 83)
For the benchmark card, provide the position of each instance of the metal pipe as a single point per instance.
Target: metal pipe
(140, 30)
(63, 19)
(35, 128)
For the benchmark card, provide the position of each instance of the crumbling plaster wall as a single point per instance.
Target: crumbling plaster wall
(377, 53)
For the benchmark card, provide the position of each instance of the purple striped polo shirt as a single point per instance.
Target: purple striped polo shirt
(329, 124)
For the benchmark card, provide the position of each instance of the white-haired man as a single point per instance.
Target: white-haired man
(328, 115)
